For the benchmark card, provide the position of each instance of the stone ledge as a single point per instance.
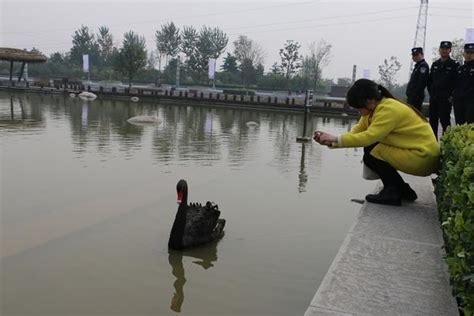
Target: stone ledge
(391, 262)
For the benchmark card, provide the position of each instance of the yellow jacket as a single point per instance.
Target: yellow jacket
(405, 140)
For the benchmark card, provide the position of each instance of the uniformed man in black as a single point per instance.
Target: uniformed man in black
(441, 85)
(418, 80)
(464, 91)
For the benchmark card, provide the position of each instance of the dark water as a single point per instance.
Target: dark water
(88, 200)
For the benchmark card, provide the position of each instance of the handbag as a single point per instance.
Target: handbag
(369, 174)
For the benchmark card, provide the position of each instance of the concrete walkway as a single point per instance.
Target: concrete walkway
(390, 263)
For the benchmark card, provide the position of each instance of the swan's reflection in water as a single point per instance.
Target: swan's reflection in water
(206, 255)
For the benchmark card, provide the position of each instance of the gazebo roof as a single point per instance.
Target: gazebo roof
(15, 54)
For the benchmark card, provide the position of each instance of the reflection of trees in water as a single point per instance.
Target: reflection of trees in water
(203, 133)
(240, 140)
(199, 133)
(17, 111)
(206, 255)
(284, 127)
(227, 120)
(98, 121)
(37, 109)
(302, 176)
(164, 137)
(187, 133)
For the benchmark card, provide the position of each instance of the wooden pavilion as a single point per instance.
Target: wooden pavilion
(20, 55)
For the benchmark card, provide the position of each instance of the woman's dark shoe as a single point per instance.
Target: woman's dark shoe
(408, 193)
(388, 196)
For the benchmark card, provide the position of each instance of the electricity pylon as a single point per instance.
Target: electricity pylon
(420, 33)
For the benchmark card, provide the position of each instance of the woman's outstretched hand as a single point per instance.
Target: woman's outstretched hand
(324, 138)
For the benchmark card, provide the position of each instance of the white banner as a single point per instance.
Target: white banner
(212, 68)
(85, 63)
(366, 73)
(469, 36)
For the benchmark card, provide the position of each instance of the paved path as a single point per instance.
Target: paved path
(390, 263)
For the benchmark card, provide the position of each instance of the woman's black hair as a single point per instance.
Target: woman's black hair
(364, 89)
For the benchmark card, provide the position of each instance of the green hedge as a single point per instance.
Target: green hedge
(455, 197)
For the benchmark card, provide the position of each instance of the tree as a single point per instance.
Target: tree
(83, 42)
(106, 45)
(211, 43)
(189, 36)
(457, 50)
(290, 59)
(248, 72)
(387, 72)
(250, 56)
(245, 48)
(313, 64)
(346, 82)
(275, 69)
(56, 58)
(230, 64)
(168, 40)
(204, 51)
(151, 61)
(169, 73)
(259, 70)
(132, 56)
(219, 42)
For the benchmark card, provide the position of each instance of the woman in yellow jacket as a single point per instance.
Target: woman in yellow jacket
(395, 136)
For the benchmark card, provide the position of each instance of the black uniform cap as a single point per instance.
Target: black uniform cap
(469, 48)
(445, 44)
(417, 50)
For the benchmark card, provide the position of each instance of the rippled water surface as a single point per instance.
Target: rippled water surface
(88, 200)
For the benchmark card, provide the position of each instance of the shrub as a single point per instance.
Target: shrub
(455, 198)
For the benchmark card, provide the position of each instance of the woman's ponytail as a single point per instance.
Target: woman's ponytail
(385, 93)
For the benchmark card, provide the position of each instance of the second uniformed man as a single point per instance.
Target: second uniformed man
(418, 79)
(441, 85)
(464, 91)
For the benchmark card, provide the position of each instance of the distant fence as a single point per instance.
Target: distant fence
(287, 102)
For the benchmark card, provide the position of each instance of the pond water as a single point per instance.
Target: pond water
(88, 201)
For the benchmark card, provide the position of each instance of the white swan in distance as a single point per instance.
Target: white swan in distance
(251, 124)
(72, 95)
(87, 95)
(134, 99)
(144, 120)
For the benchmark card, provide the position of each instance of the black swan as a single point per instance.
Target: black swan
(194, 224)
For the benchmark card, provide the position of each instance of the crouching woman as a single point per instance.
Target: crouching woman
(395, 136)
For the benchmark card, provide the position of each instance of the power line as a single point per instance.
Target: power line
(447, 8)
(452, 16)
(315, 20)
(324, 18)
(294, 28)
(175, 18)
(331, 24)
(284, 29)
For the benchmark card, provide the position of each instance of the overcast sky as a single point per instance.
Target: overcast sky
(361, 32)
